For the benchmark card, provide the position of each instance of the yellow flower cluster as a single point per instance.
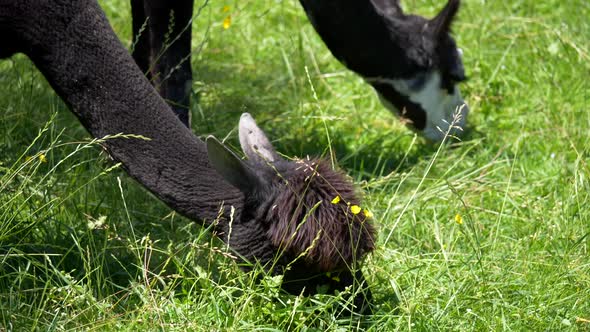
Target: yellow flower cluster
(355, 209)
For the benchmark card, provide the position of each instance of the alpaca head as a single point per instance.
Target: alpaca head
(424, 89)
(311, 211)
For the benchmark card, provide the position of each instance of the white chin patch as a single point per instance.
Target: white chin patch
(443, 110)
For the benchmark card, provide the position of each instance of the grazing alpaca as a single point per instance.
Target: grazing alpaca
(412, 63)
(283, 218)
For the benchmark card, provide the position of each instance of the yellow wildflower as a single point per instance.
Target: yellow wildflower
(336, 200)
(43, 158)
(355, 209)
(458, 219)
(227, 22)
(368, 213)
(226, 8)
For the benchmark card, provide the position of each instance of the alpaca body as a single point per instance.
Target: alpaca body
(73, 45)
(411, 62)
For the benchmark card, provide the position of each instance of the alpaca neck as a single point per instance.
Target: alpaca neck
(354, 32)
(73, 45)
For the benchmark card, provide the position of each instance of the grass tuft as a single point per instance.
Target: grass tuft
(489, 232)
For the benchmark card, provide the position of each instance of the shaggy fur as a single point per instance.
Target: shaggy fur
(330, 234)
(72, 44)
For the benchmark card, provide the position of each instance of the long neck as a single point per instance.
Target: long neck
(73, 45)
(357, 35)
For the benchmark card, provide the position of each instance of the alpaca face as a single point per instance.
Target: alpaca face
(424, 103)
(426, 93)
(413, 63)
(316, 211)
(309, 209)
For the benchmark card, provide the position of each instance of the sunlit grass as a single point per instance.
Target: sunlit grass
(83, 247)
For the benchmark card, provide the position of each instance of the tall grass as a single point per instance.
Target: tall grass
(489, 232)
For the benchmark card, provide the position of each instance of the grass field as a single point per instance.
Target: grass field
(487, 233)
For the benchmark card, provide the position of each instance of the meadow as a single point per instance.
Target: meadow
(486, 232)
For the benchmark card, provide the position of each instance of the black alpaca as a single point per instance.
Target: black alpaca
(412, 63)
(283, 219)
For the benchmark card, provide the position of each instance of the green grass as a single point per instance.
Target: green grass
(83, 247)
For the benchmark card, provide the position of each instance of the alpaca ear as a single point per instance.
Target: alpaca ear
(255, 144)
(231, 167)
(441, 23)
(387, 8)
